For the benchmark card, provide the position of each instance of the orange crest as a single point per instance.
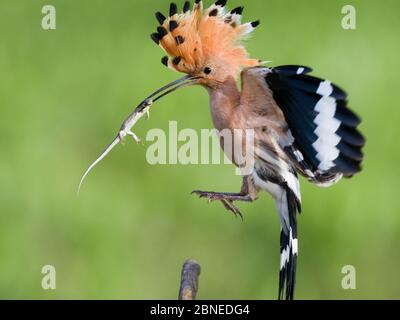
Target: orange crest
(196, 38)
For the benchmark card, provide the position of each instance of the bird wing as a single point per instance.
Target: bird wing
(322, 137)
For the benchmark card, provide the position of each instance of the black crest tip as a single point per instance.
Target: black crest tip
(179, 40)
(186, 7)
(160, 17)
(173, 25)
(213, 13)
(173, 9)
(176, 60)
(197, 1)
(155, 37)
(162, 32)
(255, 24)
(238, 10)
(221, 3)
(164, 61)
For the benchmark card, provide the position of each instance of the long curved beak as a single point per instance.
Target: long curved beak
(140, 111)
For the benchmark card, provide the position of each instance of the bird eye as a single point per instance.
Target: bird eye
(207, 70)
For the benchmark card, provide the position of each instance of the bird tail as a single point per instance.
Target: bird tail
(289, 248)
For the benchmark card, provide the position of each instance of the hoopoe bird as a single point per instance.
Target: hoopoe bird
(301, 123)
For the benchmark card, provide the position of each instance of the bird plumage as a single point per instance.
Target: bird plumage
(301, 123)
(211, 36)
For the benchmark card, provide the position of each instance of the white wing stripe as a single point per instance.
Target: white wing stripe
(327, 125)
(325, 88)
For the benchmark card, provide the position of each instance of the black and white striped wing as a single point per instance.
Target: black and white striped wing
(324, 138)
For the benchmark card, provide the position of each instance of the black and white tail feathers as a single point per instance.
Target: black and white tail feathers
(289, 248)
(280, 179)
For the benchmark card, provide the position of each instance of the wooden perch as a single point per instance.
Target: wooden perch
(189, 280)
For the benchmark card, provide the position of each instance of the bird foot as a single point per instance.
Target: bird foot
(226, 199)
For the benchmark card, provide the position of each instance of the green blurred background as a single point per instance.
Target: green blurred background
(63, 95)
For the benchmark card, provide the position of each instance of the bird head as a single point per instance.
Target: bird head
(205, 43)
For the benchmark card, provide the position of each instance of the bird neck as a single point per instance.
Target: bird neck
(224, 99)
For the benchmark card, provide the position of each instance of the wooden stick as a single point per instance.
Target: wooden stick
(189, 280)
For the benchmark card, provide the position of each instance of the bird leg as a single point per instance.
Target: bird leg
(248, 193)
(226, 199)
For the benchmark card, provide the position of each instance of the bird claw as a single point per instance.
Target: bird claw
(213, 196)
(228, 204)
